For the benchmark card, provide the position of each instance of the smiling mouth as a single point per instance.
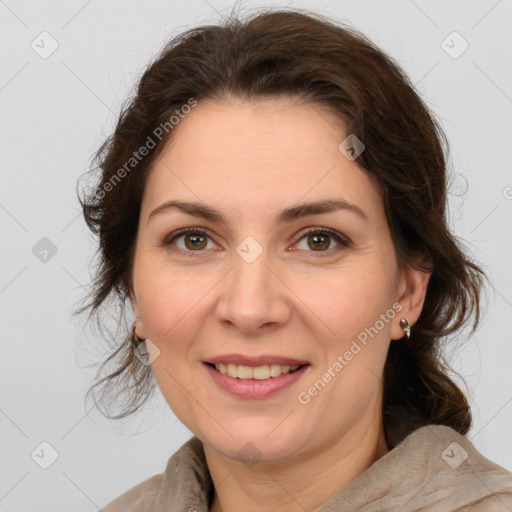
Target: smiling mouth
(263, 372)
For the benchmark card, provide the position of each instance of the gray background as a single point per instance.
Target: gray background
(55, 112)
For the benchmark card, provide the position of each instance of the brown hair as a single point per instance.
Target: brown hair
(297, 53)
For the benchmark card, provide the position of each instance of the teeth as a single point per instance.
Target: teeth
(258, 372)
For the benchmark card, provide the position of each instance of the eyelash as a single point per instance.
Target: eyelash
(344, 242)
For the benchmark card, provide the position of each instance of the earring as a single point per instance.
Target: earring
(135, 340)
(404, 324)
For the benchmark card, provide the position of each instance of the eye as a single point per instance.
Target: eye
(194, 240)
(319, 240)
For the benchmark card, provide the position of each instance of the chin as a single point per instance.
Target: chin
(257, 439)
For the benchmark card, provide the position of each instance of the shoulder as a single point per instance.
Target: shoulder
(139, 497)
(186, 478)
(463, 478)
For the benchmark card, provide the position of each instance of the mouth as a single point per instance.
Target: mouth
(262, 372)
(256, 381)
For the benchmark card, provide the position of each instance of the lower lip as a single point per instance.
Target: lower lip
(253, 388)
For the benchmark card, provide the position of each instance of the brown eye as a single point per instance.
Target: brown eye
(320, 240)
(188, 240)
(195, 241)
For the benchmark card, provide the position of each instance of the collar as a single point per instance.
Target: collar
(434, 466)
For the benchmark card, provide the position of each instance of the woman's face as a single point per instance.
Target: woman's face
(256, 288)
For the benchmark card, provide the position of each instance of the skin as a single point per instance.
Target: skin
(249, 161)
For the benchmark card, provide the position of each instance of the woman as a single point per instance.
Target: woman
(272, 207)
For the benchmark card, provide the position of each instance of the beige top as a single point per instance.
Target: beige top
(433, 468)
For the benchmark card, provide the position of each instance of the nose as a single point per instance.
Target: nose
(253, 297)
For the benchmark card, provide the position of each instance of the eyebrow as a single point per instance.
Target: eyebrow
(287, 215)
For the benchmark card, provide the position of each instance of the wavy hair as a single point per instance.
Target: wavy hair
(301, 54)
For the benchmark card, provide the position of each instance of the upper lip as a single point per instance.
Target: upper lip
(262, 360)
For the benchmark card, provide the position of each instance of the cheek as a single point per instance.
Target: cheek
(173, 311)
(169, 300)
(348, 300)
(354, 340)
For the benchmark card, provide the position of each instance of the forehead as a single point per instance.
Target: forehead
(271, 153)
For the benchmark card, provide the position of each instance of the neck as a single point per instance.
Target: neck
(305, 483)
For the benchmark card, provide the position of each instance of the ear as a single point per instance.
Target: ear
(139, 328)
(412, 291)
